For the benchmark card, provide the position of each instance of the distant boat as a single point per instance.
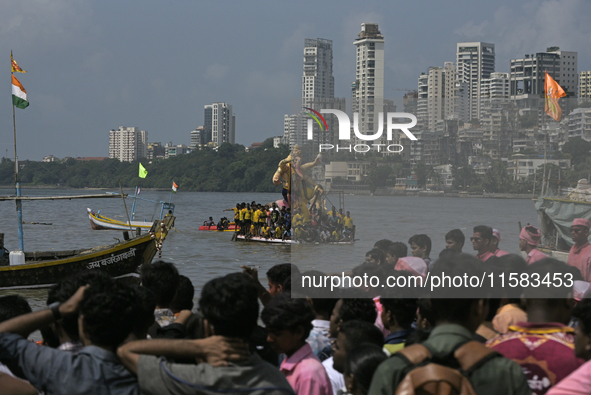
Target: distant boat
(280, 241)
(100, 222)
(231, 228)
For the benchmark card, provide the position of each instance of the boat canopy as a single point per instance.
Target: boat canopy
(556, 217)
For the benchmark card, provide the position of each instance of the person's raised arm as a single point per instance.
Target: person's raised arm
(215, 350)
(25, 324)
(264, 295)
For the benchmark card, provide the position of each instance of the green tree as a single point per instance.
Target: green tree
(578, 149)
(497, 179)
(377, 176)
(464, 176)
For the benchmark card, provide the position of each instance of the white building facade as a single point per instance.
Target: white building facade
(474, 61)
(317, 79)
(128, 144)
(368, 89)
(222, 121)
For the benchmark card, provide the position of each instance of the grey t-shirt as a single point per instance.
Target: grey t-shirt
(158, 376)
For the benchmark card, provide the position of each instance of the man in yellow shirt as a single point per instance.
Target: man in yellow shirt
(255, 220)
(348, 221)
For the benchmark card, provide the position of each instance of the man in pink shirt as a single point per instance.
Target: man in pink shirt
(289, 322)
(494, 244)
(529, 238)
(481, 241)
(580, 253)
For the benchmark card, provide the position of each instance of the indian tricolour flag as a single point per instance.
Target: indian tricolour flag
(174, 186)
(19, 94)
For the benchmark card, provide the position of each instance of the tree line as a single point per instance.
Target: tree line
(228, 169)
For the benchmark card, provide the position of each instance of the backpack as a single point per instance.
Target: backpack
(429, 377)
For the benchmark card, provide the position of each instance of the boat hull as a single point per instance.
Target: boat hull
(43, 269)
(279, 241)
(99, 222)
(231, 228)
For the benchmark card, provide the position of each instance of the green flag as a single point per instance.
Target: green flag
(143, 171)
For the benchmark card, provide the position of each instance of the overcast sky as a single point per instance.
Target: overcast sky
(96, 65)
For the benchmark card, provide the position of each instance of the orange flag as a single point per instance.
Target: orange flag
(553, 93)
(14, 67)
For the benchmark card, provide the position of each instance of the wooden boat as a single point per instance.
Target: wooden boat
(279, 241)
(100, 222)
(123, 259)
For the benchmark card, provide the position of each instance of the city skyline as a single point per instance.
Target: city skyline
(109, 68)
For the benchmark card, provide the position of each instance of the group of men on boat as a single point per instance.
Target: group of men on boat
(271, 222)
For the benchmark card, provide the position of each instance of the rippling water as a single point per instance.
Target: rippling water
(202, 256)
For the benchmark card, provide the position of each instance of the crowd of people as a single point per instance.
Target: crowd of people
(102, 336)
(271, 222)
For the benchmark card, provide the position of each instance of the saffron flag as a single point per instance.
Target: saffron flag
(15, 68)
(174, 186)
(19, 94)
(553, 93)
(143, 171)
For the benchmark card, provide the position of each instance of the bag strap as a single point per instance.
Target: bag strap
(472, 355)
(415, 354)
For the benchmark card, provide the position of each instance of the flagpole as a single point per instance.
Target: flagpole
(19, 204)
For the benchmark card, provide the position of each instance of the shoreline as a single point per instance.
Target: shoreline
(349, 190)
(356, 190)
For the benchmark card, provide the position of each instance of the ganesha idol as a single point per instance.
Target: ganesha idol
(299, 189)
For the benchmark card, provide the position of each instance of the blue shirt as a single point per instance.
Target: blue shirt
(93, 370)
(398, 336)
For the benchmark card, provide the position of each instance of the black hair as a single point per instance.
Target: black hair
(376, 254)
(357, 331)
(110, 313)
(510, 263)
(66, 288)
(456, 235)
(425, 310)
(448, 253)
(486, 232)
(417, 337)
(285, 313)
(582, 312)
(281, 274)
(405, 310)
(423, 241)
(547, 268)
(383, 244)
(162, 278)
(12, 306)
(453, 303)
(362, 362)
(183, 300)
(146, 303)
(230, 304)
(358, 309)
(397, 249)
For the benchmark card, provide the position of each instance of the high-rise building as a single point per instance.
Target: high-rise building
(474, 61)
(317, 80)
(128, 144)
(317, 94)
(200, 136)
(527, 77)
(221, 121)
(368, 88)
(585, 85)
(436, 100)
